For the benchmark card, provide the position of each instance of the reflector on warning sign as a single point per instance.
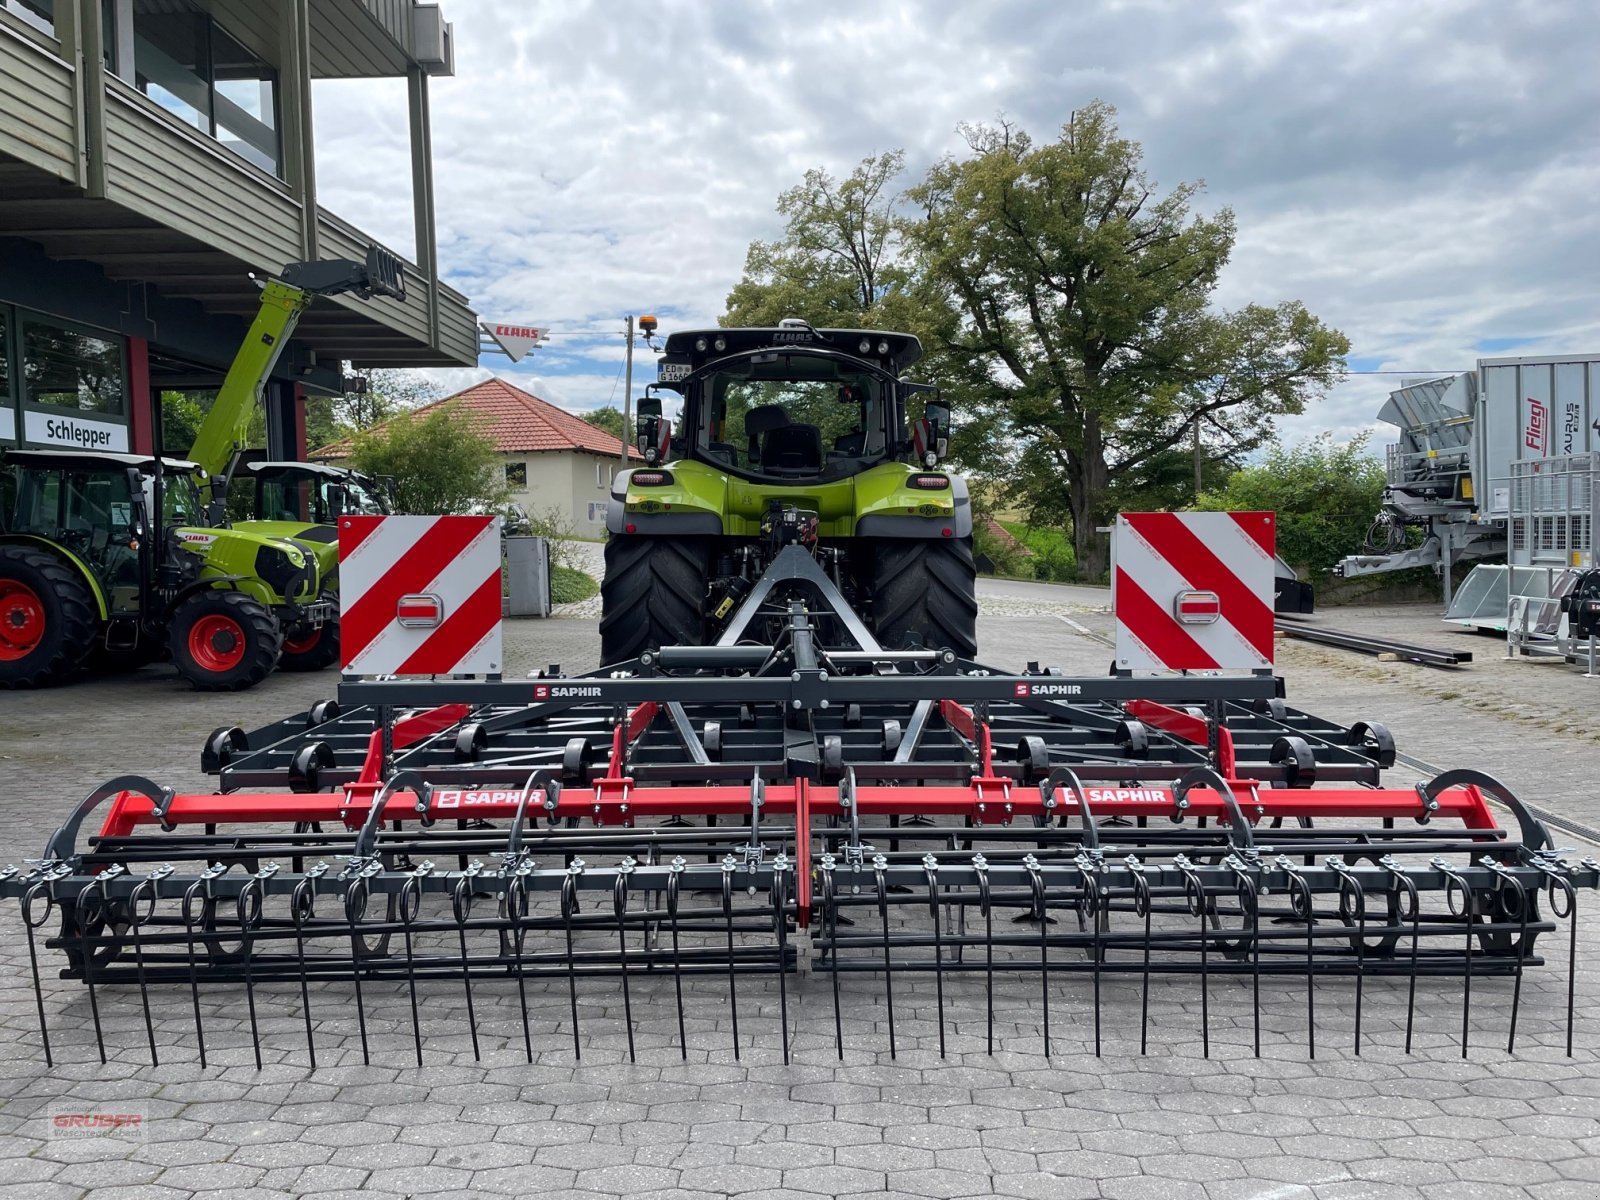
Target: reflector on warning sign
(419, 595)
(1193, 591)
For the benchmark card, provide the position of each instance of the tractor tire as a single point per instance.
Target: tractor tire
(314, 652)
(653, 595)
(924, 593)
(47, 618)
(224, 641)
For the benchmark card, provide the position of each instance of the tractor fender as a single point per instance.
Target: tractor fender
(686, 524)
(60, 551)
(225, 582)
(906, 525)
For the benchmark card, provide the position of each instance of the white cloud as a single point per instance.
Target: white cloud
(1423, 174)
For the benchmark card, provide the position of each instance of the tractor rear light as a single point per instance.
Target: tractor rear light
(1197, 608)
(948, 532)
(651, 478)
(931, 483)
(630, 527)
(865, 346)
(420, 610)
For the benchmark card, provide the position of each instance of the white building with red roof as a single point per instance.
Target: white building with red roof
(553, 459)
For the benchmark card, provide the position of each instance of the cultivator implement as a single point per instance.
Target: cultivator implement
(777, 817)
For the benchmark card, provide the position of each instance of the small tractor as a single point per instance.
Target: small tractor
(105, 559)
(793, 435)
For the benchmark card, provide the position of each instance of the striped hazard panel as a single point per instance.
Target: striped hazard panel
(420, 595)
(1193, 591)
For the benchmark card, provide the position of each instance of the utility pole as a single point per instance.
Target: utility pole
(1199, 480)
(627, 395)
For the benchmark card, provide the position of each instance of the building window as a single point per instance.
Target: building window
(604, 473)
(517, 475)
(200, 74)
(41, 14)
(71, 369)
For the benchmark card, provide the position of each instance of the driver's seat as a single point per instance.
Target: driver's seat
(793, 449)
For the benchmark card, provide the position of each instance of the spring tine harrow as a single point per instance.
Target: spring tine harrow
(702, 815)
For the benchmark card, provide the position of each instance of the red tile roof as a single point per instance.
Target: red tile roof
(517, 421)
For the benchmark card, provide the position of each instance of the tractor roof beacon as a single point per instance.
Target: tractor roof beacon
(789, 435)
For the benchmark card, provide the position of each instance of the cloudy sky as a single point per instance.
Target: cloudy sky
(1424, 174)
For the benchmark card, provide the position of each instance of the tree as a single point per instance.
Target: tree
(1083, 298)
(608, 418)
(1324, 494)
(440, 465)
(389, 391)
(837, 262)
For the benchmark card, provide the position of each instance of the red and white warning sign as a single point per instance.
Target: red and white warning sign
(1193, 591)
(419, 595)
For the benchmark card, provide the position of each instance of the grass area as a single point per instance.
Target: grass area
(569, 586)
(1053, 557)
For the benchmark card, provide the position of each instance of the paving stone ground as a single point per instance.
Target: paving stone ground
(1171, 1124)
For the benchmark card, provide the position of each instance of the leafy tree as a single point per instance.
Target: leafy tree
(608, 418)
(1083, 297)
(1323, 492)
(389, 391)
(440, 465)
(1064, 307)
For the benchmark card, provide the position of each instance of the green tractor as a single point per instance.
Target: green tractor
(792, 434)
(106, 560)
(303, 502)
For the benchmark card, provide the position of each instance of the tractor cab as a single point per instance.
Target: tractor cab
(312, 493)
(790, 403)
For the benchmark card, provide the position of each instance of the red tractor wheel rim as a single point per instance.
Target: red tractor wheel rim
(216, 642)
(303, 645)
(22, 620)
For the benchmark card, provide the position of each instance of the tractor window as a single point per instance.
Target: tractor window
(357, 499)
(290, 497)
(38, 505)
(180, 500)
(793, 415)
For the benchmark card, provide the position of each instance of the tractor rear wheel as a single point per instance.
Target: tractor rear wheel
(924, 592)
(224, 641)
(311, 651)
(653, 595)
(47, 618)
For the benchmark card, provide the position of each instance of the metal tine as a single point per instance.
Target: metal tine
(1142, 908)
(1352, 893)
(1036, 882)
(930, 868)
(200, 886)
(619, 902)
(1413, 913)
(1521, 893)
(1454, 880)
(780, 900)
(980, 867)
(830, 915)
(1301, 903)
(674, 883)
(33, 919)
(1250, 906)
(1093, 901)
(302, 907)
(84, 909)
(251, 903)
(569, 907)
(516, 910)
(1555, 873)
(461, 907)
(1194, 891)
(355, 907)
(879, 866)
(729, 865)
(145, 892)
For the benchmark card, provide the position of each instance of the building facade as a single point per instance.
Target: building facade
(156, 153)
